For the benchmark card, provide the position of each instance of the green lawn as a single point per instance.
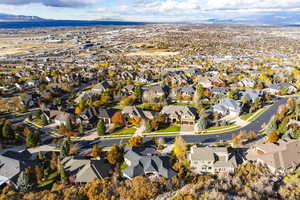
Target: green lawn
(124, 131)
(169, 129)
(246, 116)
(219, 127)
(221, 131)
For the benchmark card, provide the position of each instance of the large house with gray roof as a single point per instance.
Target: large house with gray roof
(275, 88)
(251, 95)
(133, 111)
(85, 170)
(211, 159)
(91, 115)
(180, 114)
(228, 106)
(146, 162)
(12, 163)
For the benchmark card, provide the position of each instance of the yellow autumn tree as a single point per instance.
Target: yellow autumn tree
(179, 147)
(77, 111)
(135, 141)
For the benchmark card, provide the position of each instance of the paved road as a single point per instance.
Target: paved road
(208, 138)
(211, 138)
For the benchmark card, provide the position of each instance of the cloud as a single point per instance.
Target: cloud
(185, 10)
(51, 3)
(214, 5)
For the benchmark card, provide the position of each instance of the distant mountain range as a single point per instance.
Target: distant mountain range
(11, 18)
(280, 18)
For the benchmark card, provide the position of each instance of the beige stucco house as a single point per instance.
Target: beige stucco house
(211, 159)
(283, 155)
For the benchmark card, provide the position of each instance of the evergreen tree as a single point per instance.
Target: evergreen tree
(81, 129)
(7, 130)
(69, 124)
(202, 123)
(138, 92)
(101, 127)
(24, 184)
(65, 148)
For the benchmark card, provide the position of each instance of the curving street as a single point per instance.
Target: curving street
(255, 126)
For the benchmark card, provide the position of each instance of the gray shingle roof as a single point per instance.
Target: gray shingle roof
(251, 94)
(85, 170)
(227, 104)
(13, 163)
(144, 161)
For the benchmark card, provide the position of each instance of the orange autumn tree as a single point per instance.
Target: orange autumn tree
(272, 137)
(135, 141)
(117, 118)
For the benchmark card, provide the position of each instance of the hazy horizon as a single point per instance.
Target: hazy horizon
(253, 11)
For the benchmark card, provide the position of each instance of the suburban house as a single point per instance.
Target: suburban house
(187, 90)
(275, 88)
(227, 106)
(211, 159)
(133, 111)
(153, 93)
(180, 114)
(293, 122)
(283, 155)
(92, 115)
(12, 163)
(251, 95)
(128, 90)
(29, 101)
(247, 82)
(100, 87)
(83, 96)
(85, 170)
(218, 91)
(210, 81)
(146, 162)
(58, 117)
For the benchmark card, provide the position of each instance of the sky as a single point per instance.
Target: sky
(154, 10)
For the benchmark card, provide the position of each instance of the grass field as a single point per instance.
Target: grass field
(169, 129)
(246, 116)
